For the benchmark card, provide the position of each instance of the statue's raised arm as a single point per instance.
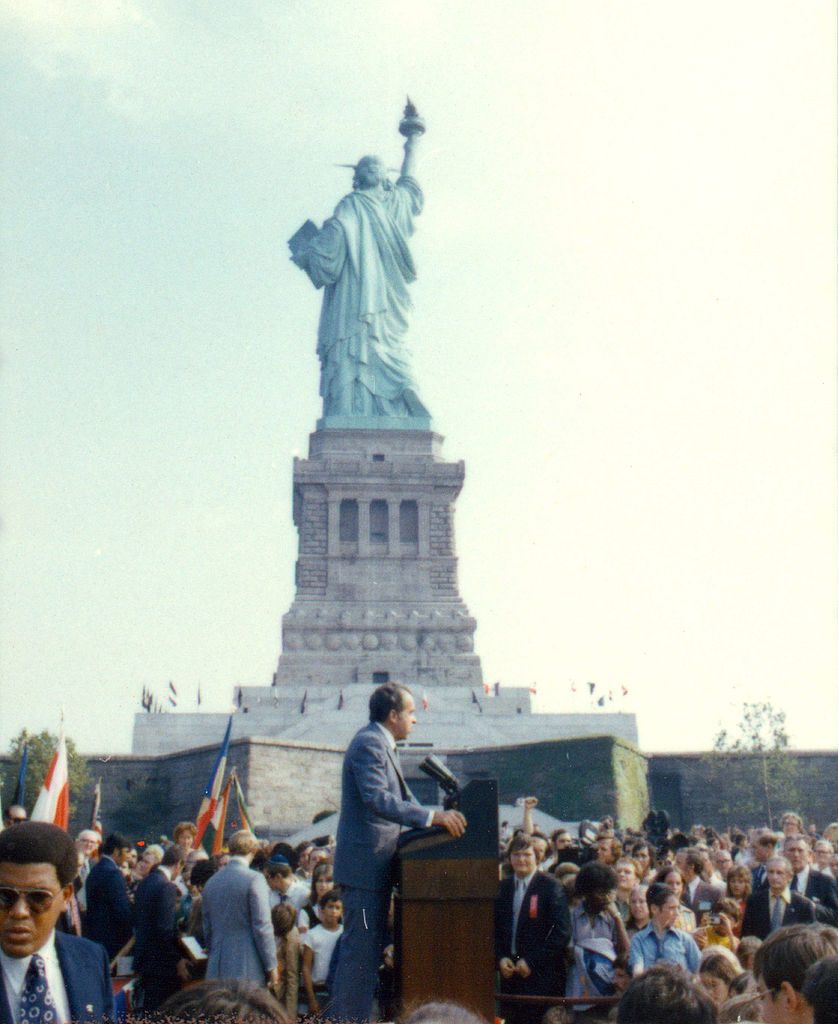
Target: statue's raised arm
(361, 258)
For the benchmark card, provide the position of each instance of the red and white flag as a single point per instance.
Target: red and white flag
(425, 702)
(209, 811)
(53, 803)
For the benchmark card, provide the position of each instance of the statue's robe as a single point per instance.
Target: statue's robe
(361, 258)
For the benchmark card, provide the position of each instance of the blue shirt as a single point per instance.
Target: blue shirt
(675, 947)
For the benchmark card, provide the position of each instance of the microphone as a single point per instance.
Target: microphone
(439, 773)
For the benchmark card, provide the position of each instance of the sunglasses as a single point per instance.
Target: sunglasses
(38, 900)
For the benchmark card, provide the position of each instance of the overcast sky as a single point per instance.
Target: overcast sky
(624, 324)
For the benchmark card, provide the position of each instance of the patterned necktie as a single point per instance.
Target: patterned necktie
(794, 886)
(777, 914)
(36, 1003)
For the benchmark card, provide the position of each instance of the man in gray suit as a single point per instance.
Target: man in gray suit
(375, 803)
(237, 918)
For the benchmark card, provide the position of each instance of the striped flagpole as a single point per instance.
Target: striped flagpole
(244, 813)
(220, 819)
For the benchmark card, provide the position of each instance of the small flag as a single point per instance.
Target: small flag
(532, 688)
(173, 702)
(474, 699)
(487, 689)
(625, 691)
(425, 702)
(244, 813)
(573, 687)
(206, 813)
(20, 789)
(96, 808)
(199, 694)
(303, 703)
(273, 681)
(611, 695)
(173, 688)
(592, 687)
(601, 702)
(220, 818)
(53, 803)
(340, 700)
(239, 697)
(497, 689)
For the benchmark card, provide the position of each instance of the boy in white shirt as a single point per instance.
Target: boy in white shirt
(318, 947)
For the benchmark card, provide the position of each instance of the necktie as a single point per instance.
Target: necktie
(777, 914)
(36, 1003)
(794, 886)
(517, 902)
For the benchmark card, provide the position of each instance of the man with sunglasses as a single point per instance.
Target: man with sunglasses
(51, 977)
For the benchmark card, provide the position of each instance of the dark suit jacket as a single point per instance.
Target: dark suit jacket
(375, 803)
(756, 881)
(87, 979)
(109, 917)
(156, 951)
(757, 919)
(542, 935)
(705, 892)
(823, 892)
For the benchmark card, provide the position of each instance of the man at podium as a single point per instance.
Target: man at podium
(376, 803)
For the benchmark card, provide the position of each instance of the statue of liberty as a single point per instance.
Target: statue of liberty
(362, 260)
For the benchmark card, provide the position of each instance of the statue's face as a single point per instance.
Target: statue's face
(369, 173)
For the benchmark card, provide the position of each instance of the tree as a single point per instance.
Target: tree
(751, 766)
(41, 748)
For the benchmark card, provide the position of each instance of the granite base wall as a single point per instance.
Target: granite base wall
(678, 785)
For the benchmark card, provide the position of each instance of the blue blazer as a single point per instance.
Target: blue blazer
(375, 803)
(109, 917)
(156, 951)
(87, 979)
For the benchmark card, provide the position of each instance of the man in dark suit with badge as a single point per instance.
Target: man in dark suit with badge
(775, 906)
(532, 930)
(57, 977)
(375, 804)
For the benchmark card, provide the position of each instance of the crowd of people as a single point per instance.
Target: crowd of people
(596, 923)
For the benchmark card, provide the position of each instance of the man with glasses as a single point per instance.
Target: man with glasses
(821, 889)
(776, 906)
(46, 975)
(780, 968)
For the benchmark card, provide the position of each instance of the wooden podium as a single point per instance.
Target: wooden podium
(445, 899)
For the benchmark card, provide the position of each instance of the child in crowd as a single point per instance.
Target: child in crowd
(716, 972)
(283, 917)
(747, 950)
(318, 946)
(721, 926)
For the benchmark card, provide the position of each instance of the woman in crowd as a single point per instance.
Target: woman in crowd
(671, 876)
(739, 883)
(322, 881)
(638, 910)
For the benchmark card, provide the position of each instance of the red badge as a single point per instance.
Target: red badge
(533, 907)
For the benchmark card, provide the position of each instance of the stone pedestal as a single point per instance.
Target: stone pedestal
(376, 575)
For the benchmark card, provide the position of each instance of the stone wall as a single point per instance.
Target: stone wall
(678, 785)
(573, 779)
